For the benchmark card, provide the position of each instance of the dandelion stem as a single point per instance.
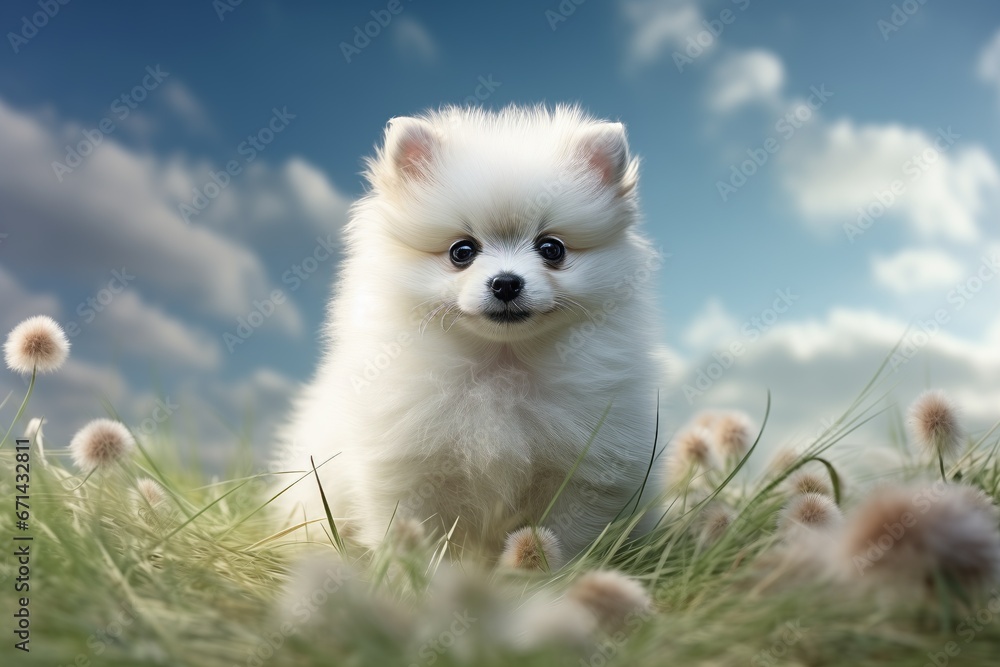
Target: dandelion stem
(24, 404)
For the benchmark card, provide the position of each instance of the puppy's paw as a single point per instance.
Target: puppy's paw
(531, 548)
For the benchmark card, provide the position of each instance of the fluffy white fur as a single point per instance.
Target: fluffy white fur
(432, 407)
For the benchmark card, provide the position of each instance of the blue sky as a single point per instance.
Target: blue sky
(224, 77)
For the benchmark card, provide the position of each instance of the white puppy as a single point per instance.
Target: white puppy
(493, 305)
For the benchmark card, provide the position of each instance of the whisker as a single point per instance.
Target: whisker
(451, 309)
(430, 317)
(563, 300)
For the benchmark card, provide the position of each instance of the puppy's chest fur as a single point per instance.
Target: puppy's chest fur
(489, 438)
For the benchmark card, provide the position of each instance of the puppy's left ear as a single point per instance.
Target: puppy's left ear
(603, 148)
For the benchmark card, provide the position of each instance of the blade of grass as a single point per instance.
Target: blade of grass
(338, 541)
(576, 464)
(272, 498)
(20, 410)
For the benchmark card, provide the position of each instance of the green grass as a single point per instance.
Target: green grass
(205, 581)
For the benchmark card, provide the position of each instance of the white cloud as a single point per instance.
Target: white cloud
(19, 303)
(68, 398)
(124, 324)
(414, 41)
(266, 200)
(118, 209)
(711, 326)
(112, 206)
(916, 270)
(260, 399)
(815, 368)
(843, 174)
(659, 25)
(131, 325)
(319, 201)
(182, 102)
(988, 67)
(749, 77)
(993, 333)
(263, 390)
(942, 189)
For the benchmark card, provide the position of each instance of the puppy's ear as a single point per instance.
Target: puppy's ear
(603, 149)
(410, 147)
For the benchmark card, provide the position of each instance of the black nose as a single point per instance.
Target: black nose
(506, 286)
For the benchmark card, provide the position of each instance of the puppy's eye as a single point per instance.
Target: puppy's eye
(462, 253)
(551, 249)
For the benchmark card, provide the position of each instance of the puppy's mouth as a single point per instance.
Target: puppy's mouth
(508, 316)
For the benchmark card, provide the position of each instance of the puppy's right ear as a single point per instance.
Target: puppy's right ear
(410, 148)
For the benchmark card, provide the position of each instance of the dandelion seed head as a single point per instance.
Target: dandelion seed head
(933, 421)
(150, 493)
(694, 448)
(715, 521)
(543, 621)
(611, 597)
(37, 343)
(914, 534)
(810, 510)
(706, 419)
(733, 433)
(100, 443)
(806, 481)
(531, 548)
